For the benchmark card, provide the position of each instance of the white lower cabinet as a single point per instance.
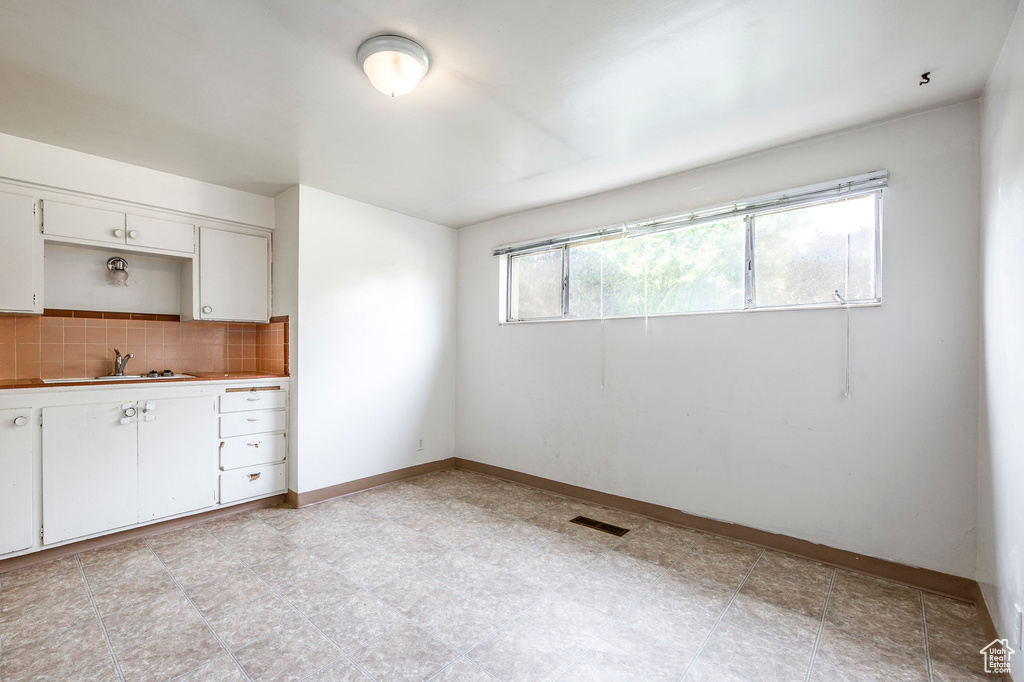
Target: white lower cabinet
(16, 529)
(253, 446)
(122, 457)
(177, 458)
(242, 484)
(249, 450)
(245, 423)
(90, 470)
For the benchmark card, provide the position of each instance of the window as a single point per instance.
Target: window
(810, 247)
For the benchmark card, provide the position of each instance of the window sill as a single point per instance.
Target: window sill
(822, 306)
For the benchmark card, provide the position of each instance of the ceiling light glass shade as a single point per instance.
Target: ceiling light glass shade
(394, 65)
(118, 271)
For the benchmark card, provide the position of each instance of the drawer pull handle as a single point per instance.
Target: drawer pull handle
(252, 419)
(254, 445)
(253, 400)
(253, 477)
(222, 444)
(20, 421)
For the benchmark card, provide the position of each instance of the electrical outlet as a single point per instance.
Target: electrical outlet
(419, 444)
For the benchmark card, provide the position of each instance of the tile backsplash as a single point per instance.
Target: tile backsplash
(70, 344)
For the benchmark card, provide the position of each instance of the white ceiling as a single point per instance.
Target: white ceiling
(528, 102)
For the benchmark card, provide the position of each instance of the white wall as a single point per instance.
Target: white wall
(285, 266)
(76, 278)
(741, 417)
(57, 167)
(1001, 471)
(376, 340)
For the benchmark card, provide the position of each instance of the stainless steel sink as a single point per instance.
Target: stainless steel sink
(126, 377)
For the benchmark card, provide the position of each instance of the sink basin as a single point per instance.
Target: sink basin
(126, 377)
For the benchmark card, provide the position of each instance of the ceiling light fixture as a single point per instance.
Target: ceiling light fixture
(393, 64)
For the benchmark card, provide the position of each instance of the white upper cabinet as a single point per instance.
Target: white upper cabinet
(100, 227)
(82, 224)
(21, 266)
(234, 276)
(157, 233)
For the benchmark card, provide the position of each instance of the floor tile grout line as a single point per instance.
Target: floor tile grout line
(607, 550)
(99, 618)
(821, 625)
(202, 616)
(516, 521)
(587, 649)
(718, 620)
(462, 657)
(927, 646)
(513, 619)
(277, 593)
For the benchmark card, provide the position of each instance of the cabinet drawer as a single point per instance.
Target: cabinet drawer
(252, 482)
(252, 400)
(247, 451)
(157, 233)
(246, 423)
(82, 223)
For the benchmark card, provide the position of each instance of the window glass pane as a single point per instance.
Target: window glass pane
(585, 280)
(696, 268)
(537, 285)
(622, 277)
(801, 255)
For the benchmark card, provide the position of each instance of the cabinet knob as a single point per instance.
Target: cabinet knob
(207, 309)
(134, 234)
(119, 233)
(20, 421)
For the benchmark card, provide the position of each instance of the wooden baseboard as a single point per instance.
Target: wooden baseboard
(45, 555)
(926, 579)
(320, 494)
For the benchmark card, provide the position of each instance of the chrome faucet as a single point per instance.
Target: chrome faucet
(120, 362)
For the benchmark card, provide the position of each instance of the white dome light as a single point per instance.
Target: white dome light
(393, 64)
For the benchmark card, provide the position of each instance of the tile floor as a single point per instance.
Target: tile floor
(460, 577)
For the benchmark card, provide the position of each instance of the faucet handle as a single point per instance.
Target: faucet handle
(117, 352)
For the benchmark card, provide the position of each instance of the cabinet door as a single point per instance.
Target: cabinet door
(90, 470)
(157, 233)
(82, 224)
(177, 456)
(233, 276)
(21, 257)
(16, 531)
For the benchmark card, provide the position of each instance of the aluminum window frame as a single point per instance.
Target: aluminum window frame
(507, 255)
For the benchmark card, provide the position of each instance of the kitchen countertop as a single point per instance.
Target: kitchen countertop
(196, 376)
